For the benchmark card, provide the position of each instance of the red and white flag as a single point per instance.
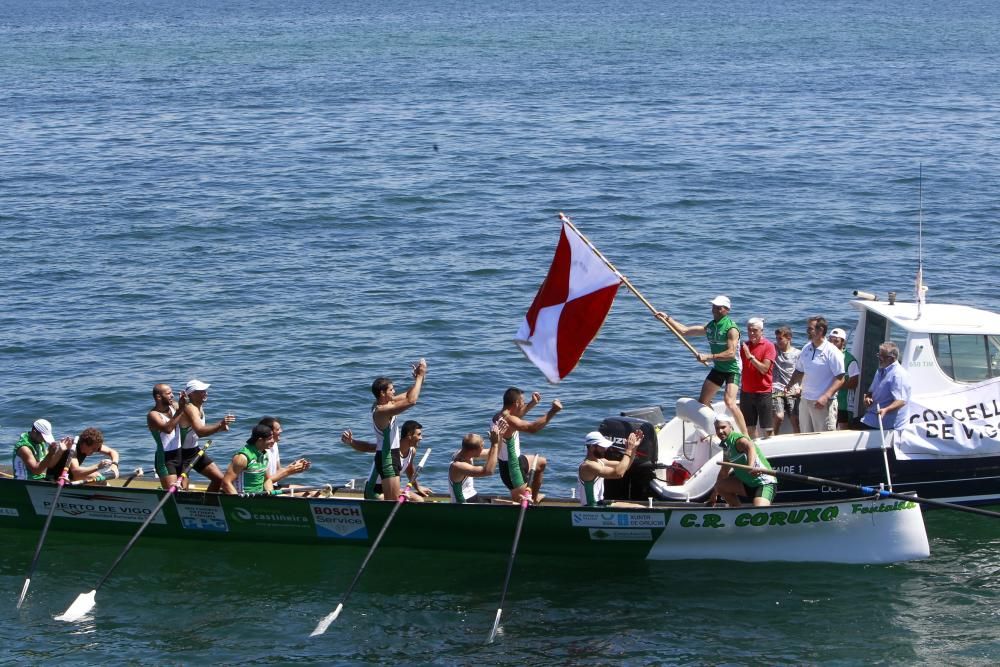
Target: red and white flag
(569, 309)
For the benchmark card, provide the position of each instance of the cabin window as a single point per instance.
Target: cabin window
(967, 358)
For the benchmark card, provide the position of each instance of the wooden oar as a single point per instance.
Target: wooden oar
(631, 287)
(45, 529)
(332, 616)
(866, 490)
(513, 550)
(86, 601)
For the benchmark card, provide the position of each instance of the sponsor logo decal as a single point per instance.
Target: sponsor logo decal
(9, 511)
(618, 519)
(870, 508)
(201, 517)
(762, 518)
(291, 516)
(339, 521)
(621, 534)
(98, 504)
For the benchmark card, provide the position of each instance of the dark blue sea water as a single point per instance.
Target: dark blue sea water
(287, 199)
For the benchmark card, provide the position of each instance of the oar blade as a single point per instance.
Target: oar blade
(24, 592)
(322, 626)
(81, 606)
(496, 626)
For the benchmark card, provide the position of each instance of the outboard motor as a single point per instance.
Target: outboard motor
(635, 484)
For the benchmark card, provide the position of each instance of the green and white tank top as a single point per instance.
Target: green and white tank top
(590, 493)
(189, 439)
(462, 491)
(718, 340)
(511, 451)
(38, 449)
(389, 438)
(167, 442)
(251, 480)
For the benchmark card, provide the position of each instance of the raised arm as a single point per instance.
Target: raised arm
(697, 330)
(357, 445)
(617, 469)
(157, 421)
(198, 422)
(519, 424)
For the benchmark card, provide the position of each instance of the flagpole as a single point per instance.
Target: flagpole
(628, 284)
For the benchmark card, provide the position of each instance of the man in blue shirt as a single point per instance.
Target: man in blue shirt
(889, 394)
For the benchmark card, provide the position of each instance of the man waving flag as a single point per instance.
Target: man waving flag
(570, 306)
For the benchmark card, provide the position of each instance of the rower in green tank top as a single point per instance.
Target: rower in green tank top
(247, 472)
(724, 341)
(735, 482)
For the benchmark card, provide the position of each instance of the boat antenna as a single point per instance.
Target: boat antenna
(921, 290)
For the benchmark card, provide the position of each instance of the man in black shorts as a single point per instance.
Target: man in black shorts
(724, 341)
(193, 427)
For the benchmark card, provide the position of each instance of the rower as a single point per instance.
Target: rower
(90, 441)
(247, 472)
(36, 450)
(595, 468)
(514, 465)
(735, 482)
(463, 470)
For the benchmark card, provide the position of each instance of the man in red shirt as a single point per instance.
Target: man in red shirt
(758, 355)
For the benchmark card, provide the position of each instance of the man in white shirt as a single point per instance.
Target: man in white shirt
(820, 367)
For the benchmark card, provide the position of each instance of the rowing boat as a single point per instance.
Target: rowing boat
(863, 530)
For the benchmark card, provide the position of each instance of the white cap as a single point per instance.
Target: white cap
(597, 439)
(723, 417)
(838, 333)
(44, 429)
(196, 385)
(722, 300)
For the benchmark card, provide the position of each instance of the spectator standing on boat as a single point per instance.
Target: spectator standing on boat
(36, 450)
(274, 468)
(596, 468)
(735, 482)
(889, 394)
(820, 367)
(724, 341)
(193, 427)
(248, 471)
(163, 422)
(463, 469)
(758, 355)
(388, 405)
(785, 396)
(89, 442)
(852, 375)
(514, 465)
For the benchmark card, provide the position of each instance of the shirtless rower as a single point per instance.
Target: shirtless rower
(193, 427)
(514, 465)
(163, 422)
(387, 406)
